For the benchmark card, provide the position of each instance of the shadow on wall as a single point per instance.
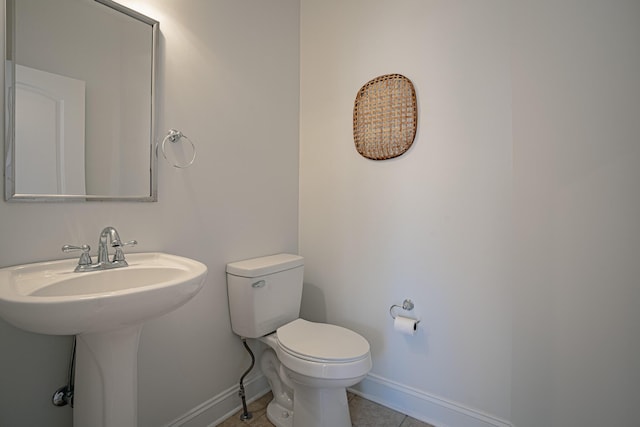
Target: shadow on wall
(314, 309)
(314, 305)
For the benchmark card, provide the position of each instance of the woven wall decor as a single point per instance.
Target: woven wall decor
(385, 117)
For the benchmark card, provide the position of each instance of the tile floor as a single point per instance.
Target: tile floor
(364, 413)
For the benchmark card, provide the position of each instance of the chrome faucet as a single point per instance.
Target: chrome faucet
(108, 237)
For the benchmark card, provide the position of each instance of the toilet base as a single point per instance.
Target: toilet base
(320, 407)
(315, 408)
(279, 415)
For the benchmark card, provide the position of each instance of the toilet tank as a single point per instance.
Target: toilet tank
(264, 293)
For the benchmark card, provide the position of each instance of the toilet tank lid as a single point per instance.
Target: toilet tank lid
(264, 265)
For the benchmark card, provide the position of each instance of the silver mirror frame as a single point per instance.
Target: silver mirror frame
(9, 128)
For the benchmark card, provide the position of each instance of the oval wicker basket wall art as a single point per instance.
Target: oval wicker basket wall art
(385, 117)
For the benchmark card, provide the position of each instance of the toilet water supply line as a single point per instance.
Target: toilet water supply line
(246, 415)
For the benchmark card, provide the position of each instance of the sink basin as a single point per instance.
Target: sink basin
(106, 310)
(49, 298)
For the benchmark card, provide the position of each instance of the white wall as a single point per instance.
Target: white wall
(512, 222)
(433, 225)
(576, 123)
(228, 78)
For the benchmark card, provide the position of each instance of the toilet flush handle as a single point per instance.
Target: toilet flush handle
(258, 284)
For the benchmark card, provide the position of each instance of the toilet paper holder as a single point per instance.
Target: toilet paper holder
(406, 305)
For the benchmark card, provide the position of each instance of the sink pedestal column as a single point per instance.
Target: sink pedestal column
(106, 384)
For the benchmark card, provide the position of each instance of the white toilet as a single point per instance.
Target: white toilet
(308, 365)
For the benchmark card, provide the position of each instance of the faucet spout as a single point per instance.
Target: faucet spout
(108, 235)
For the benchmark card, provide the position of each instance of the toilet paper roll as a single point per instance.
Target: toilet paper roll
(405, 325)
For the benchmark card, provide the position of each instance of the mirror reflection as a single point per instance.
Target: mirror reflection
(79, 96)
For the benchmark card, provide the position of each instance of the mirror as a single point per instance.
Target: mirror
(79, 101)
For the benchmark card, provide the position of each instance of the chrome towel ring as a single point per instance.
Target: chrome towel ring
(174, 136)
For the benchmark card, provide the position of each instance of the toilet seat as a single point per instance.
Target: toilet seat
(320, 350)
(321, 342)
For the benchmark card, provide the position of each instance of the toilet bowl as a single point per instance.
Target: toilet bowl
(308, 365)
(318, 361)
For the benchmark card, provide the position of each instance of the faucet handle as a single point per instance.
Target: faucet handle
(119, 254)
(119, 244)
(85, 258)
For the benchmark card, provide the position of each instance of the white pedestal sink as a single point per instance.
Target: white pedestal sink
(106, 310)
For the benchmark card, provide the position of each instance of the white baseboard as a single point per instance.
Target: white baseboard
(423, 406)
(407, 400)
(223, 405)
